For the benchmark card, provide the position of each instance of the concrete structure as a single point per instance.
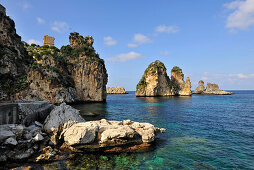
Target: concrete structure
(8, 113)
(47, 40)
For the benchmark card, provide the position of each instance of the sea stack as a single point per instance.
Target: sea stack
(211, 89)
(155, 81)
(179, 86)
(201, 87)
(116, 90)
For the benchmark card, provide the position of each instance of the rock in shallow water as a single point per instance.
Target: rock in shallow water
(104, 134)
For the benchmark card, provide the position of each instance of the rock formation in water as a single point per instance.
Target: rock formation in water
(65, 130)
(116, 90)
(155, 81)
(30, 72)
(201, 87)
(212, 89)
(14, 60)
(179, 86)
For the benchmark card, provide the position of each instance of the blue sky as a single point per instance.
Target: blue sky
(210, 40)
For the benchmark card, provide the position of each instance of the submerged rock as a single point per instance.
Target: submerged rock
(116, 90)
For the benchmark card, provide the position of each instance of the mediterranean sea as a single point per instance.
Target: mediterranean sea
(203, 132)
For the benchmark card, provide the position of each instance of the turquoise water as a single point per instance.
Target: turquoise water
(203, 132)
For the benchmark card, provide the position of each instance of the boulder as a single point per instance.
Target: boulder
(60, 115)
(116, 90)
(103, 134)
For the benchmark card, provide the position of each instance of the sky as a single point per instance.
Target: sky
(210, 40)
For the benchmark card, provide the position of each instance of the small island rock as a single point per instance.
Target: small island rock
(116, 90)
(211, 89)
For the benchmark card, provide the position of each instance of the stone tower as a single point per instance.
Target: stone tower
(47, 40)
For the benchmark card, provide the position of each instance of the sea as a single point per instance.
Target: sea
(202, 132)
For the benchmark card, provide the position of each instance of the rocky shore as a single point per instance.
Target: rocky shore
(211, 89)
(64, 130)
(156, 82)
(116, 90)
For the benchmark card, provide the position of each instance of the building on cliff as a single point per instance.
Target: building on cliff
(47, 40)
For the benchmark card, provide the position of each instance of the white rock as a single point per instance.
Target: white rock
(60, 115)
(11, 141)
(38, 137)
(5, 133)
(81, 133)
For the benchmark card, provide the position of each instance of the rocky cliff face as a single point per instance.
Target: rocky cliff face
(212, 89)
(116, 90)
(73, 74)
(179, 86)
(201, 87)
(14, 60)
(155, 81)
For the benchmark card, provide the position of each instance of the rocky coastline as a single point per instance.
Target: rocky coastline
(65, 131)
(211, 89)
(116, 90)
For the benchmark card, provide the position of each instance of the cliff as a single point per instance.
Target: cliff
(72, 74)
(155, 81)
(31, 72)
(116, 90)
(179, 86)
(211, 89)
(14, 60)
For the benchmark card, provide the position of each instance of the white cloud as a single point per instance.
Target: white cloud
(167, 29)
(132, 45)
(109, 41)
(32, 41)
(165, 53)
(25, 5)
(242, 16)
(125, 57)
(141, 39)
(60, 27)
(246, 76)
(40, 20)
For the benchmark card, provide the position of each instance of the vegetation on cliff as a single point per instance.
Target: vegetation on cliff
(153, 68)
(176, 69)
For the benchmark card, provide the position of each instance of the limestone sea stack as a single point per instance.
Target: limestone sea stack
(116, 90)
(201, 87)
(179, 86)
(155, 81)
(211, 89)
